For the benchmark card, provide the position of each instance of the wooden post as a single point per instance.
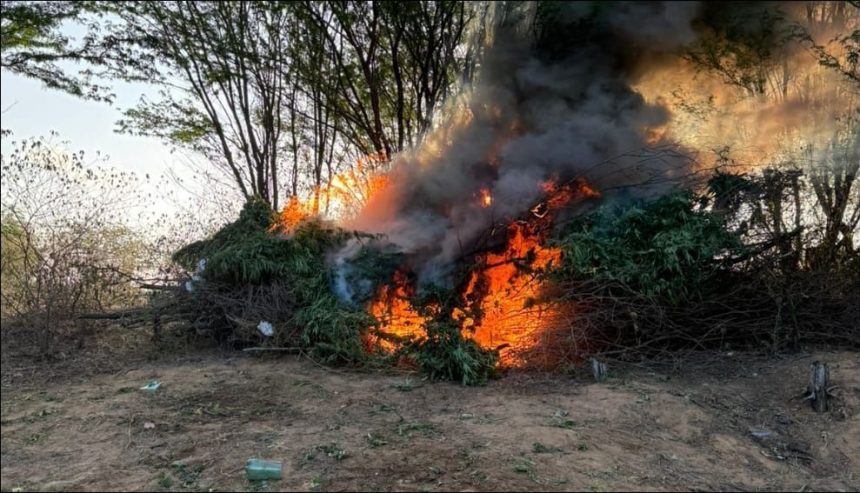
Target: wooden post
(817, 390)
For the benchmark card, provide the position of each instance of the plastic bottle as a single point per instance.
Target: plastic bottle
(261, 470)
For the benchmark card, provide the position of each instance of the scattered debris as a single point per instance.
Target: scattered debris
(760, 433)
(148, 426)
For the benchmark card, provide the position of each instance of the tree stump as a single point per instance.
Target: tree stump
(817, 390)
(598, 369)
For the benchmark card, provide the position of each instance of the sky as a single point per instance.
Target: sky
(31, 110)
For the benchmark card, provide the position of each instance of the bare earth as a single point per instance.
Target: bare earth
(85, 425)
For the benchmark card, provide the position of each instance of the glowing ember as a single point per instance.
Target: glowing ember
(398, 319)
(486, 197)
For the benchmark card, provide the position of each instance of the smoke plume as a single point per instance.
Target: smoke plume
(609, 98)
(532, 116)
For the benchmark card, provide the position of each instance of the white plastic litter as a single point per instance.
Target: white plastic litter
(760, 432)
(151, 386)
(201, 265)
(189, 286)
(266, 328)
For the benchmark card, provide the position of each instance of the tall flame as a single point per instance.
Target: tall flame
(506, 298)
(343, 197)
(505, 303)
(398, 318)
(506, 290)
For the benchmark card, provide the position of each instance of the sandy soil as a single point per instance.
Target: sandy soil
(83, 424)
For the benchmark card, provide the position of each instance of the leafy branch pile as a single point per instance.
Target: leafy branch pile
(684, 271)
(252, 274)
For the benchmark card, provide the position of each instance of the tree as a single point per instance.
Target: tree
(274, 94)
(66, 245)
(225, 65)
(372, 44)
(32, 45)
(842, 51)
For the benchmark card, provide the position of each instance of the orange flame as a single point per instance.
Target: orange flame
(293, 214)
(506, 302)
(507, 292)
(349, 192)
(344, 196)
(506, 298)
(486, 197)
(398, 318)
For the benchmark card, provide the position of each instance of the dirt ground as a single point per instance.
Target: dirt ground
(709, 421)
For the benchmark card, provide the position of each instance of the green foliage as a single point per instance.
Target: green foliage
(32, 44)
(446, 355)
(177, 122)
(245, 252)
(661, 249)
(332, 331)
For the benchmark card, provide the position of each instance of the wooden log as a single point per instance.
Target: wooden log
(817, 390)
(272, 349)
(131, 313)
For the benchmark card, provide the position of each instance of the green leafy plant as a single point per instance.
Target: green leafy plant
(663, 249)
(445, 355)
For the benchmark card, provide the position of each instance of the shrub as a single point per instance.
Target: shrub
(247, 253)
(445, 355)
(66, 248)
(662, 249)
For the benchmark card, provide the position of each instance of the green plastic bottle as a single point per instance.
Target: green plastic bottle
(262, 470)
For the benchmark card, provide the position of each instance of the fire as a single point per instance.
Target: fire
(506, 303)
(506, 290)
(349, 192)
(398, 318)
(293, 214)
(486, 197)
(344, 196)
(506, 298)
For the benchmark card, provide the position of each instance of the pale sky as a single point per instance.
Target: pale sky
(31, 110)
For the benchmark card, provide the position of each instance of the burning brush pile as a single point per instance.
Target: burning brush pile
(552, 216)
